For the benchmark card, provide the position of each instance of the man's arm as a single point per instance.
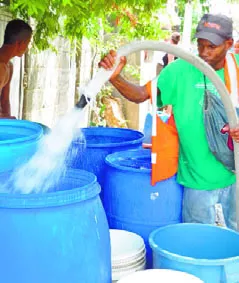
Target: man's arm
(130, 91)
(5, 96)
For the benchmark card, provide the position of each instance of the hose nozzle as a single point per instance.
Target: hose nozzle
(82, 102)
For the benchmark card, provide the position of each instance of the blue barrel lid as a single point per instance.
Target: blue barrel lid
(17, 131)
(136, 160)
(97, 137)
(74, 187)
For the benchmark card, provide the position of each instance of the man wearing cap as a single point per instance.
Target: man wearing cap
(168, 58)
(207, 182)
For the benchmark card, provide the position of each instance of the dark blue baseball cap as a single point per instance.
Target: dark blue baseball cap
(215, 28)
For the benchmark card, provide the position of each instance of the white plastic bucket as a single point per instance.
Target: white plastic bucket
(160, 275)
(121, 273)
(127, 253)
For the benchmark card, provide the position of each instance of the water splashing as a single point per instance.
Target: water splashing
(47, 165)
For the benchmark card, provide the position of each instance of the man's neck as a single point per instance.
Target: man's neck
(6, 53)
(219, 66)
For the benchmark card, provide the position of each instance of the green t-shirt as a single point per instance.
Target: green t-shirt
(182, 85)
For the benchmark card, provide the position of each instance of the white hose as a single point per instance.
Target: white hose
(103, 76)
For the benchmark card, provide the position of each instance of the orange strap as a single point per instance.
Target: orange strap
(231, 72)
(165, 146)
(148, 88)
(227, 77)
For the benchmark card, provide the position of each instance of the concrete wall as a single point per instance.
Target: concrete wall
(131, 109)
(49, 83)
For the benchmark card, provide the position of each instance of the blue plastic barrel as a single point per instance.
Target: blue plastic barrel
(88, 152)
(131, 203)
(18, 142)
(206, 251)
(46, 129)
(56, 237)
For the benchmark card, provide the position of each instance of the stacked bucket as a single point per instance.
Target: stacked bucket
(127, 253)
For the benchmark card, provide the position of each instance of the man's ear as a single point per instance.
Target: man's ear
(229, 43)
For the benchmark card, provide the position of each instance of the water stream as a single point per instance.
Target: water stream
(47, 165)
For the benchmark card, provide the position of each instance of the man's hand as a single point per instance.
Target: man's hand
(108, 62)
(234, 133)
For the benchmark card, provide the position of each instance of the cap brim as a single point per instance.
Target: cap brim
(212, 37)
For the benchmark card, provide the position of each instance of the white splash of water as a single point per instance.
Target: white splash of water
(47, 166)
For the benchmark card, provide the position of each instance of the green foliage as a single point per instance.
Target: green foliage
(76, 18)
(132, 71)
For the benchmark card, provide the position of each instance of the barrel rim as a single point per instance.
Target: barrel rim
(144, 152)
(139, 140)
(54, 199)
(185, 259)
(28, 124)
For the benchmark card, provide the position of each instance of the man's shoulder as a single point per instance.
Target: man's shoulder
(6, 70)
(3, 66)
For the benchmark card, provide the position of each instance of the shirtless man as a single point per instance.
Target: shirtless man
(16, 40)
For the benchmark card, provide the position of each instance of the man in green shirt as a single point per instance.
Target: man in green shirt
(207, 182)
